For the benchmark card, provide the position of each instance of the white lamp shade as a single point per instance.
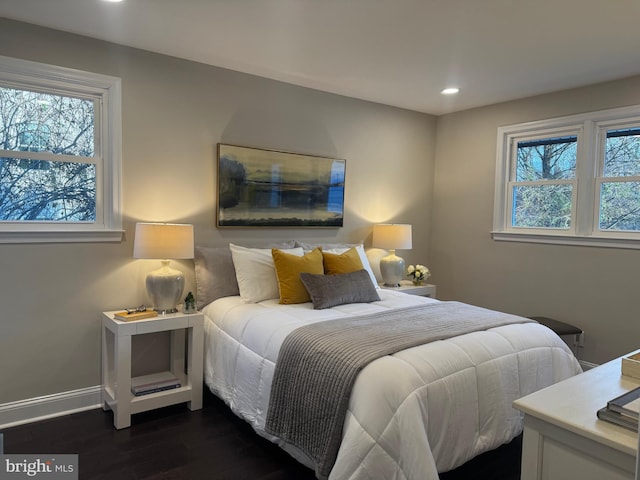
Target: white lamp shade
(163, 241)
(392, 236)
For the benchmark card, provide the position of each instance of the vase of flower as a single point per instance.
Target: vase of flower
(418, 274)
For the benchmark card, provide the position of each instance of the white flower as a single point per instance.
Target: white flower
(418, 272)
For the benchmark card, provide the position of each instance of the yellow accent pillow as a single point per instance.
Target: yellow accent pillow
(288, 270)
(345, 262)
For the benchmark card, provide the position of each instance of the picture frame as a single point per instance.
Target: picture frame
(271, 188)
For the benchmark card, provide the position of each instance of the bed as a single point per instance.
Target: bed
(410, 414)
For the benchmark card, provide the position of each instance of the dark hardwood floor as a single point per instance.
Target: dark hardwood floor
(175, 443)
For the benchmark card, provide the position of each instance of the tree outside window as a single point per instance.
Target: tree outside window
(56, 181)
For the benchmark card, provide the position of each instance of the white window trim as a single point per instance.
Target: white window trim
(584, 232)
(108, 127)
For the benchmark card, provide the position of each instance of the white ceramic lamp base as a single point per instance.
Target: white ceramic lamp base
(392, 269)
(165, 287)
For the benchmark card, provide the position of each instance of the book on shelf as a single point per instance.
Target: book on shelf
(135, 315)
(626, 404)
(157, 382)
(618, 418)
(139, 393)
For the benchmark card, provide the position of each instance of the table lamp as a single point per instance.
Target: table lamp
(392, 236)
(164, 241)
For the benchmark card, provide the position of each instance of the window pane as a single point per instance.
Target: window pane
(41, 122)
(622, 155)
(542, 206)
(620, 206)
(548, 159)
(36, 190)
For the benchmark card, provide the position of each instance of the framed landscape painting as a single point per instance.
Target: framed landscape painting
(268, 188)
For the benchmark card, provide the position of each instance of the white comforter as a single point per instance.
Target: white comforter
(421, 411)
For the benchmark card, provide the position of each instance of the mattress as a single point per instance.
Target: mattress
(421, 411)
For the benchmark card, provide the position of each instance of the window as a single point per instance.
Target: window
(59, 154)
(573, 180)
(619, 184)
(545, 179)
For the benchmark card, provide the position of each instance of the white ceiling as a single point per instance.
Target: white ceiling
(395, 52)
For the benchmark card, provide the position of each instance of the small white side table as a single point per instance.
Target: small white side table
(564, 439)
(116, 364)
(426, 290)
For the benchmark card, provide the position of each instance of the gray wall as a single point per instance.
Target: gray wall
(595, 288)
(174, 114)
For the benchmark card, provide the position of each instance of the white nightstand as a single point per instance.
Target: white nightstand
(426, 290)
(116, 364)
(563, 437)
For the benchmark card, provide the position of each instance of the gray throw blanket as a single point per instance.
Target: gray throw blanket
(318, 363)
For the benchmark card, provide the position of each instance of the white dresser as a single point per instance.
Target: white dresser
(563, 438)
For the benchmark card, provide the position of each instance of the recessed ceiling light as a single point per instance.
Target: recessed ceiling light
(113, 1)
(450, 91)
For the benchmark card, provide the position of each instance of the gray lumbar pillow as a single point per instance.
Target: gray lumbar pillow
(330, 290)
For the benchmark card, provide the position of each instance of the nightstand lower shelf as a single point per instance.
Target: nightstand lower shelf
(150, 401)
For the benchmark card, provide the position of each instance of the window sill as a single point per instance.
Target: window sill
(584, 241)
(87, 236)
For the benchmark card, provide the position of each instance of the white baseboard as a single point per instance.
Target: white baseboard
(49, 406)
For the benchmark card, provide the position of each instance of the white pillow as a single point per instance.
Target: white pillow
(256, 273)
(363, 258)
